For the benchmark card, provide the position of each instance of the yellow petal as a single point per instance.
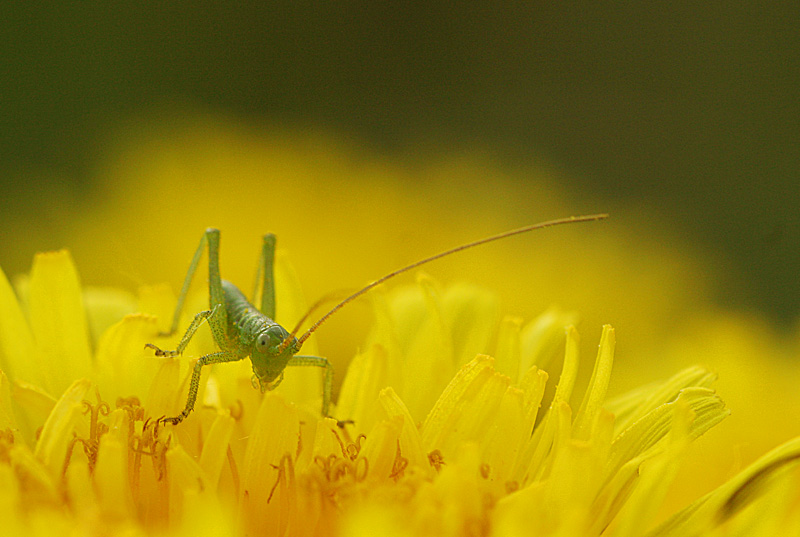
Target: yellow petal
(384, 333)
(65, 418)
(474, 373)
(326, 439)
(613, 495)
(106, 306)
(571, 486)
(13, 522)
(18, 353)
(656, 475)
(516, 514)
(407, 314)
(569, 369)
(166, 395)
(381, 449)
(507, 356)
(454, 504)
(158, 301)
(79, 484)
(32, 406)
(366, 376)
(429, 357)
(471, 313)
(215, 448)
(505, 437)
(541, 338)
(646, 432)
(532, 385)
(410, 440)
(274, 436)
(186, 478)
(7, 418)
(202, 515)
(111, 477)
(631, 406)
(40, 485)
(466, 407)
(723, 505)
(125, 367)
(58, 320)
(537, 447)
(598, 385)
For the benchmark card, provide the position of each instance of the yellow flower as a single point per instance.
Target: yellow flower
(443, 442)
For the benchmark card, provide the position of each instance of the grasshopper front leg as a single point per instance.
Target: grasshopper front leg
(187, 336)
(194, 384)
(327, 383)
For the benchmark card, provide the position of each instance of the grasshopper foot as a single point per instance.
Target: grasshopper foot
(174, 421)
(159, 352)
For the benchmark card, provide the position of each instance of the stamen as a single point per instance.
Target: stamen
(399, 465)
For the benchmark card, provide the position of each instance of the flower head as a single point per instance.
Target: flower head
(442, 441)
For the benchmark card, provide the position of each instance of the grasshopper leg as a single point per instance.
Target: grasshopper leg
(194, 383)
(327, 383)
(265, 276)
(216, 298)
(196, 322)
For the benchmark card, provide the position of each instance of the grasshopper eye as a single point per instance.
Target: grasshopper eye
(263, 341)
(267, 343)
(270, 339)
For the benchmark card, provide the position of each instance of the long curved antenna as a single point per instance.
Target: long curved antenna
(343, 303)
(330, 297)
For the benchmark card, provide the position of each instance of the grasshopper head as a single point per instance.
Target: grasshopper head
(269, 357)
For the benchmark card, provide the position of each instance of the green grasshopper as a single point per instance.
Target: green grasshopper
(241, 330)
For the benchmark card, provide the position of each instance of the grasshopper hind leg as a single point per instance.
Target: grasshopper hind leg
(265, 277)
(216, 297)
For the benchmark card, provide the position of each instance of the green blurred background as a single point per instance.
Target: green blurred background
(685, 112)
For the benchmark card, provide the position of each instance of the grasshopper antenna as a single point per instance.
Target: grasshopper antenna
(343, 303)
(330, 297)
